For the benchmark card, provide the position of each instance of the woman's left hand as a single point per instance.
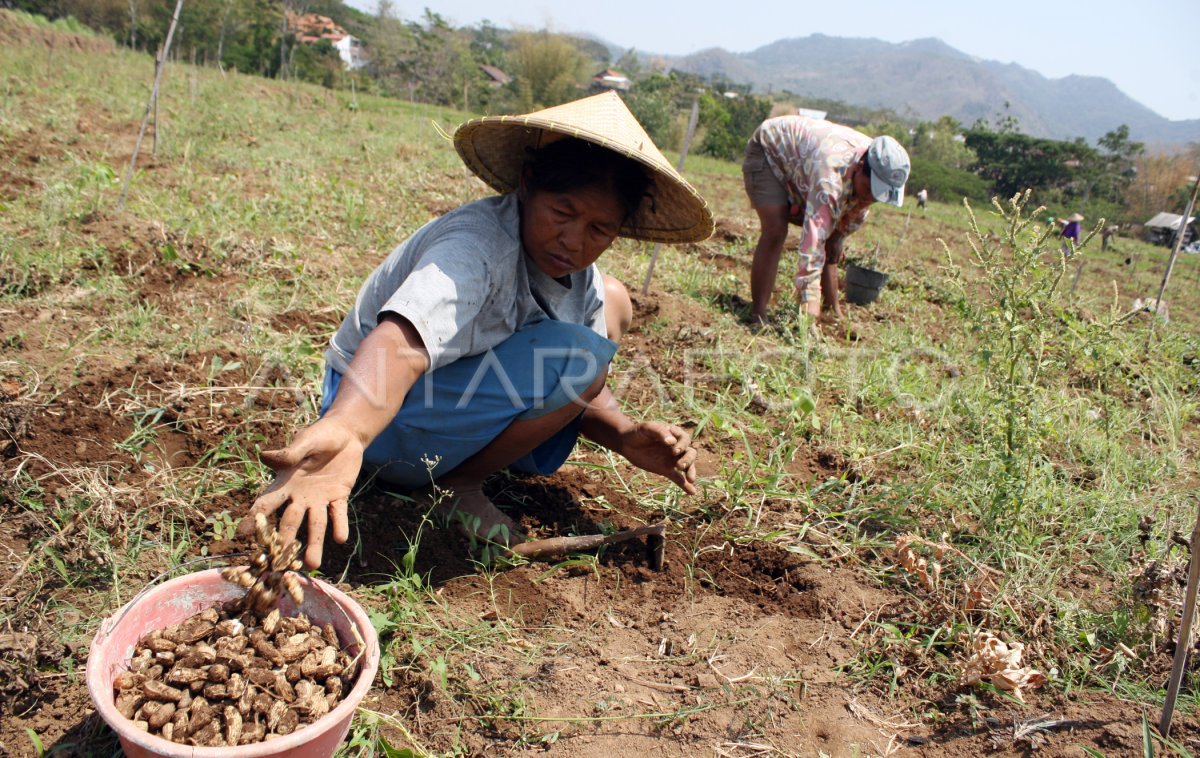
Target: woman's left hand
(664, 449)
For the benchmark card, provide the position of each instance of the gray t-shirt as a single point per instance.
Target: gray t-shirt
(465, 283)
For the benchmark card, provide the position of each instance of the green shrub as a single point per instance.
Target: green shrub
(946, 183)
(730, 122)
(654, 108)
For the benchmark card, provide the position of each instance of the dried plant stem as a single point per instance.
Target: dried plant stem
(951, 549)
(1185, 629)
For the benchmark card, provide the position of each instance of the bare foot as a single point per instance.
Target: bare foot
(759, 323)
(467, 508)
(830, 316)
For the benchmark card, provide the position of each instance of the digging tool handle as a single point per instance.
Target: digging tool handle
(553, 546)
(1185, 632)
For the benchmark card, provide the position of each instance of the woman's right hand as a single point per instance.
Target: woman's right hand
(313, 478)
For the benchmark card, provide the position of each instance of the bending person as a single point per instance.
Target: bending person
(822, 176)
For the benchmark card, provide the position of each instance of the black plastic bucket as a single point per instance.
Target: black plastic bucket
(863, 285)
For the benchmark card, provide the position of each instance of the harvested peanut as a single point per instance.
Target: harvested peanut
(333, 685)
(206, 735)
(129, 702)
(162, 715)
(270, 624)
(288, 723)
(216, 692)
(261, 677)
(233, 725)
(229, 628)
(179, 675)
(283, 688)
(160, 691)
(276, 714)
(235, 686)
(201, 715)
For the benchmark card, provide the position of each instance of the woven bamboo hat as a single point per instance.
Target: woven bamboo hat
(1075, 217)
(495, 148)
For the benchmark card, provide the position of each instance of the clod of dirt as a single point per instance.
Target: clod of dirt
(239, 674)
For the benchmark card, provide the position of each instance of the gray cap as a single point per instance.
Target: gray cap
(889, 170)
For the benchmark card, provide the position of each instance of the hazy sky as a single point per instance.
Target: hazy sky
(1149, 49)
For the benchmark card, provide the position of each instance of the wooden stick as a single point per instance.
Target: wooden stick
(158, 66)
(687, 143)
(1075, 279)
(1185, 624)
(1162, 289)
(150, 105)
(563, 545)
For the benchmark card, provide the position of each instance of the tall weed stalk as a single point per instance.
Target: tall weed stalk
(1009, 308)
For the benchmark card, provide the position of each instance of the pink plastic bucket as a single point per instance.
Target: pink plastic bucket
(176, 600)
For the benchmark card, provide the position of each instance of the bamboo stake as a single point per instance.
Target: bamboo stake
(1075, 279)
(159, 65)
(687, 142)
(158, 69)
(1185, 625)
(1162, 289)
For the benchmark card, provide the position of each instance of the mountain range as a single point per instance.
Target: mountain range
(927, 79)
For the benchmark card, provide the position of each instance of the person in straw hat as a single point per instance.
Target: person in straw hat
(483, 340)
(1070, 231)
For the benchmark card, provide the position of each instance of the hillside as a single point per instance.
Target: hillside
(927, 78)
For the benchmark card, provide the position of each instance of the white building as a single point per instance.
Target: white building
(350, 50)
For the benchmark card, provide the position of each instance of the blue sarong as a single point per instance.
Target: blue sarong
(454, 411)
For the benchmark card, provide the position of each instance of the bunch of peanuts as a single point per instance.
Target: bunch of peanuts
(269, 572)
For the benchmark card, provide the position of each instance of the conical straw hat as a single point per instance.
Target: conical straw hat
(494, 147)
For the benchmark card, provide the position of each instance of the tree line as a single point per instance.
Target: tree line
(428, 59)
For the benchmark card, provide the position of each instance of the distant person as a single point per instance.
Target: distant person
(823, 177)
(922, 198)
(1070, 231)
(1106, 235)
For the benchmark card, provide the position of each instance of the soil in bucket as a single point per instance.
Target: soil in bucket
(863, 285)
(199, 667)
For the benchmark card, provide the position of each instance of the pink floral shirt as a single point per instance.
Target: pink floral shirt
(810, 157)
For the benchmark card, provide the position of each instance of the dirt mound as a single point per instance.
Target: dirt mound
(17, 29)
